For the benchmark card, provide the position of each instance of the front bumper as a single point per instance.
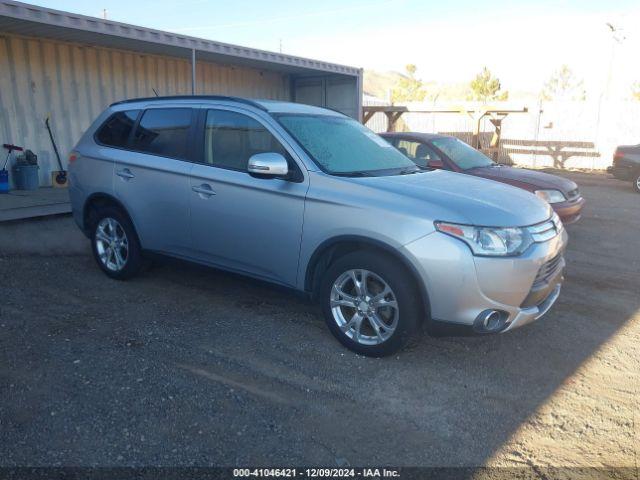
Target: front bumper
(569, 211)
(530, 314)
(462, 286)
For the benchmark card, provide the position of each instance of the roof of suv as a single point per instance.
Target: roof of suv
(271, 106)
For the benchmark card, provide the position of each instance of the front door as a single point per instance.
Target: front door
(239, 221)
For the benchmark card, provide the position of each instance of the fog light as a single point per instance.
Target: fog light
(490, 321)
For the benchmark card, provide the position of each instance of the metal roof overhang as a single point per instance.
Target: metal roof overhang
(35, 21)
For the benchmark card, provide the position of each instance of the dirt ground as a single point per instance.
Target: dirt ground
(191, 366)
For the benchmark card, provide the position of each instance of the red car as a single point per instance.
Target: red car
(449, 153)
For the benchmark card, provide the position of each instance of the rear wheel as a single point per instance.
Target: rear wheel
(115, 244)
(370, 303)
(636, 182)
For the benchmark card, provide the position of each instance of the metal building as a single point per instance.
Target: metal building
(72, 66)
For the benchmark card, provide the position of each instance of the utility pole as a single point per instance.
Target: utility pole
(617, 37)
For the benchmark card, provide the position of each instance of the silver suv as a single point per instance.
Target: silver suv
(310, 199)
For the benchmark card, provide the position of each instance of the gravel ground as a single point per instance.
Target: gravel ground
(191, 366)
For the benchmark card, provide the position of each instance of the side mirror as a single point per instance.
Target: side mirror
(268, 165)
(435, 164)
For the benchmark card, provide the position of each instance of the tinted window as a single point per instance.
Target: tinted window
(164, 132)
(232, 138)
(341, 145)
(419, 152)
(116, 130)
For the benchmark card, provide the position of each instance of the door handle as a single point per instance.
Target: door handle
(125, 174)
(204, 190)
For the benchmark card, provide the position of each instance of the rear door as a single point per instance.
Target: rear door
(239, 221)
(151, 179)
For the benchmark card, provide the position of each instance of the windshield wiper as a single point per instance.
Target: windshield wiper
(379, 173)
(484, 166)
(352, 174)
(410, 170)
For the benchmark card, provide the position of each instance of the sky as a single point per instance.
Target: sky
(522, 42)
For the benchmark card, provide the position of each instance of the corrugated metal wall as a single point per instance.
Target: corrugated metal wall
(337, 94)
(74, 83)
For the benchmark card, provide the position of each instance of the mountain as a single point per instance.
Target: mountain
(379, 84)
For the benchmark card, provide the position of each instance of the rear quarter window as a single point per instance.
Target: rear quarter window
(116, 130)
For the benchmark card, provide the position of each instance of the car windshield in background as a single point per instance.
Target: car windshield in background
(462, 154)
(343, 146)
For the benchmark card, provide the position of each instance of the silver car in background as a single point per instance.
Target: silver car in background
(310, 199)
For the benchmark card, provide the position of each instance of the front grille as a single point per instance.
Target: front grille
(547, 271)
(546, 230)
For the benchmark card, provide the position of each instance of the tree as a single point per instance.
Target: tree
(408, 88)
(563, 85)
(486, 87)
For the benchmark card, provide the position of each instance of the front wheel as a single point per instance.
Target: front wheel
(370, 303)
(636, 183)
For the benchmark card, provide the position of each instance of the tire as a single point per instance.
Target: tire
(373, 338)
(105, 220)
(636, 182)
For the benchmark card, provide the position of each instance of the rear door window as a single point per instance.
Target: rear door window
(164, 132)
(116, 130)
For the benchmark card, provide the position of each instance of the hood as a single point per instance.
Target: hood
(515, 176)
(465, 199)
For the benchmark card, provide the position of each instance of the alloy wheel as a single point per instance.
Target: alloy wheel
(364, 307)
(112, 244)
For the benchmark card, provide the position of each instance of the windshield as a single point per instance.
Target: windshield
(462, 154)
(343, 146)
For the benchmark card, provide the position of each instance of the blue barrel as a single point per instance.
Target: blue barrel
(26, 177)
(4, 181)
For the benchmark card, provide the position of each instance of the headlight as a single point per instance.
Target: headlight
(551, 196)
(489, 241)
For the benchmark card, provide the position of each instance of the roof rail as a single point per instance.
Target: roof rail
(192, 97)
